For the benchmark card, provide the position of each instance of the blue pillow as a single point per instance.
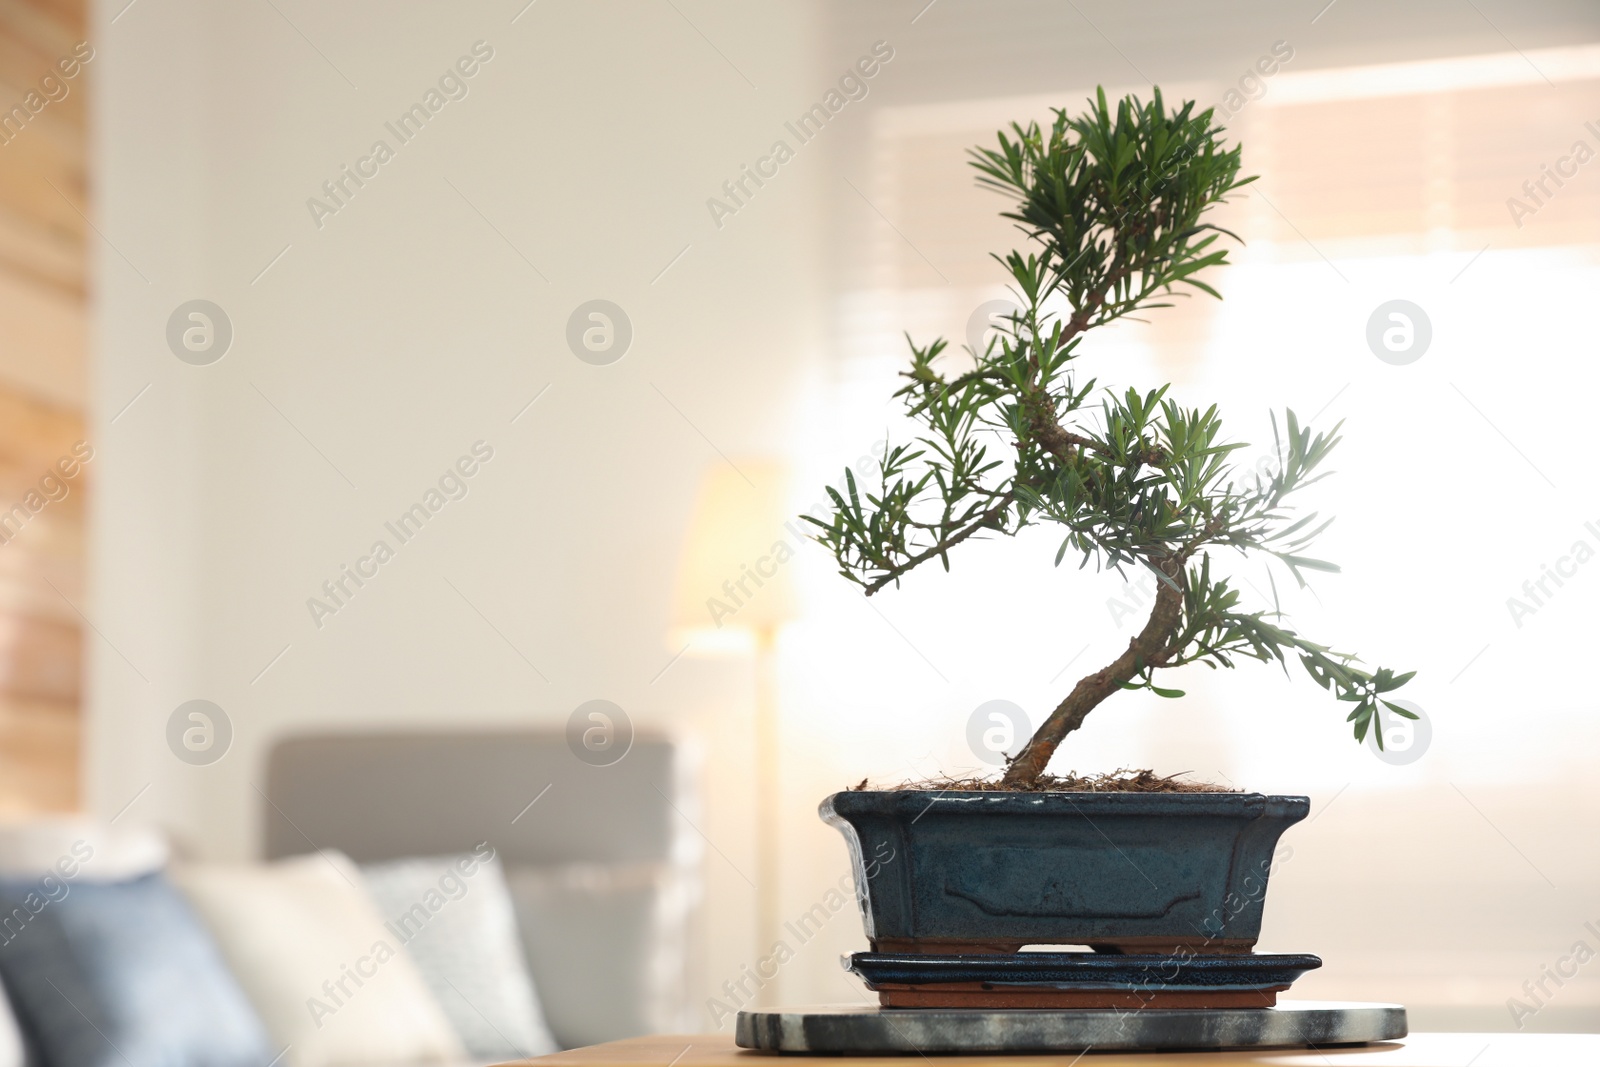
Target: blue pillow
(121, 974)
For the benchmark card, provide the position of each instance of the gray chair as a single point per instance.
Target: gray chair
(603, 863)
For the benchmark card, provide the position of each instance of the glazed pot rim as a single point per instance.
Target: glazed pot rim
(978, 801)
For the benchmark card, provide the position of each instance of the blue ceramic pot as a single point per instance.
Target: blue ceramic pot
(969, 872)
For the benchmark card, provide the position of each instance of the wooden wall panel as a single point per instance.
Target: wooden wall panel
(43, 339)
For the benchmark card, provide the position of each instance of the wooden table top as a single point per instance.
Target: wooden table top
(1418, 1050)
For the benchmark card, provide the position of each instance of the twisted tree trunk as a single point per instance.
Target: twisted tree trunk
(1149, 648)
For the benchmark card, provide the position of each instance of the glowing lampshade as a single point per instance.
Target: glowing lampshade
(735, 586)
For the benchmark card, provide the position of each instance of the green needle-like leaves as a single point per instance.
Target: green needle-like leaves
(1111, 202)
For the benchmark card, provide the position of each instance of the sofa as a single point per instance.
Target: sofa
(462, 897)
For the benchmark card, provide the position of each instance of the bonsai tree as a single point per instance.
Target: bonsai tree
(1112, 204)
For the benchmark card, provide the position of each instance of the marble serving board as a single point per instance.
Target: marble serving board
(913, 1031)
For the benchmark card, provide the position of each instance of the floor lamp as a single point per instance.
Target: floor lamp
(734, 594)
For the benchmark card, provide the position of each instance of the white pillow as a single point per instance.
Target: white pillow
(78, 848)
(328, 979)
(11, 1049)
(454, 914)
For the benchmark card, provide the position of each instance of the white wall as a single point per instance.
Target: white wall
(399, 333)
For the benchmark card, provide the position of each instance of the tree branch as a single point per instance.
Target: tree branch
(985, 520)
